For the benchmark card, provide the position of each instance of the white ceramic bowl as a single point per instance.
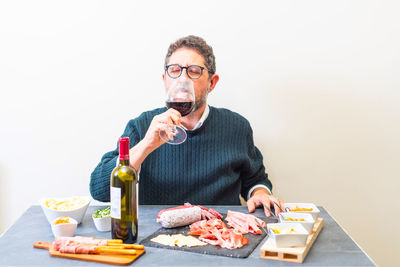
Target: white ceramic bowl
(286, 239)
(314, 212)
(64, 229)
(102, 224)
(295, 217)
(73, 212)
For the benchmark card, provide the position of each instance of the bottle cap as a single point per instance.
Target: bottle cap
(124, 148)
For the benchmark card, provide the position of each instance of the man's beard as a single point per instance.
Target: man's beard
(201, 100)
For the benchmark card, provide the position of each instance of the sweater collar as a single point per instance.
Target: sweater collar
(202, 119)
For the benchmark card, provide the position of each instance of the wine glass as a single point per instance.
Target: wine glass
(180, 96)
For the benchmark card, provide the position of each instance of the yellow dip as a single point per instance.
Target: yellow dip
(63, 219)
(65, 204)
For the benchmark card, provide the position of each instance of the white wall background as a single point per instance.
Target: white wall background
(318, 80)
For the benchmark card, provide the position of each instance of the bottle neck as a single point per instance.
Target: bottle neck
(124, 162)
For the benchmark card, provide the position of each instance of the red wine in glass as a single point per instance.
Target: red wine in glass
(179, 96)
(184, 107)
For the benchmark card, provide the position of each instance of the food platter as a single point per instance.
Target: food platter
(242, 252)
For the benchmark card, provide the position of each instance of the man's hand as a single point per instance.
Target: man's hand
(261, 197)
(160, 122)
(152, 139)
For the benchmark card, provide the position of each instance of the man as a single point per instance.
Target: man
(216, 163)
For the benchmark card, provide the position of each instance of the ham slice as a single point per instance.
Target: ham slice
(77, 244)
(210, 213)
(72, 247)
(85, 240)
(244, 223)
(215, 232)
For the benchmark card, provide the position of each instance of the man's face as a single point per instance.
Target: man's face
(186, 57)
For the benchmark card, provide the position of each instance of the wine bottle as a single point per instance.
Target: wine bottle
(123, 196)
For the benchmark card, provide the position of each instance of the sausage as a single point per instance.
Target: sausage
(186, 205)
(179, 216)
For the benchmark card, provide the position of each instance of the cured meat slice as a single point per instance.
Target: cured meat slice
(244, 223)
(84, 249)
(206, 225)
(70, 248)
(216, 233)
(77, 244)
(84, 239)
(211, 213)
(215, 213)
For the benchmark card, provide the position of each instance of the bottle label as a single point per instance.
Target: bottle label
(115, 202)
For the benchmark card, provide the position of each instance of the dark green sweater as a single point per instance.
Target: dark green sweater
(213, 166)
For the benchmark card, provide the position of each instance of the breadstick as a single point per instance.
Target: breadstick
(126, 245)
(116, 241)
(116, 246)
(119, 241)
(116, 251)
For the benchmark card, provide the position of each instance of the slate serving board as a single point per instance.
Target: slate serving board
(242, 252)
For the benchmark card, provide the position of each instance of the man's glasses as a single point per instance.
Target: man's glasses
(193, 71)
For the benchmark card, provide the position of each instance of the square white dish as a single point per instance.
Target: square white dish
(287, 237)
(304, 219)
(292, 206)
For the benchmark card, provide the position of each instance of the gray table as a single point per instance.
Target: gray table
(333, 246)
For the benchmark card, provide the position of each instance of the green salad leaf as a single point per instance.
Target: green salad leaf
(102, 213)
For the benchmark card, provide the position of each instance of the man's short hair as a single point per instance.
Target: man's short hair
(198, 44)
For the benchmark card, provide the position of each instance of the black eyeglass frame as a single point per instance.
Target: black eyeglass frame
(181, 67)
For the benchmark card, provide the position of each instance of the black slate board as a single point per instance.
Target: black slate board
(242, 252)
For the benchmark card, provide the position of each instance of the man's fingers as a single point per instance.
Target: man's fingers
(250, 205)
(174, 116)
(170, 135)
(282, 205)
(174, 111)
(171, 116)
(267, 209)
(276, 209)
(175, 119)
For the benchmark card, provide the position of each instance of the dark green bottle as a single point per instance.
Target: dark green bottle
(123, 196)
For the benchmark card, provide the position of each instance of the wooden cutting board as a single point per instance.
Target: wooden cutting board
(101, 258)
